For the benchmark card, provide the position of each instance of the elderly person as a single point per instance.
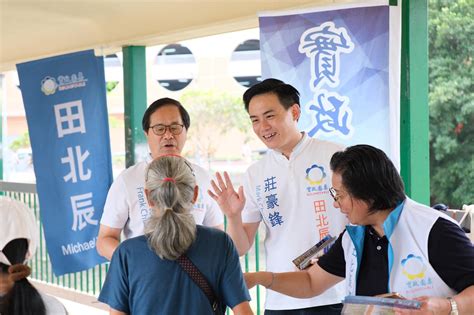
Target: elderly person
(165, 124)
(145, 275)
(393, 245)
(18, 240)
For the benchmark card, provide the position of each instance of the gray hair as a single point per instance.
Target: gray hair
(171, 228)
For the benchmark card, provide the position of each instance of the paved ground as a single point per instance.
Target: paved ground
(74, 308)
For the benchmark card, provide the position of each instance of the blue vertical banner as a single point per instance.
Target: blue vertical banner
(66, 111)
(345, 63)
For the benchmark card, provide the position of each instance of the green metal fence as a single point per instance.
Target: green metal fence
(90, 281)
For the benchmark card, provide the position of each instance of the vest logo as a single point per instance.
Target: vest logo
(315, 176)
(413, 267)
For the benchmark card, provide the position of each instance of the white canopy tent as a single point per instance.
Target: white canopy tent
(34, 29)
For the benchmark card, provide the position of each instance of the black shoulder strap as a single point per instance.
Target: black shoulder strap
(195, 274)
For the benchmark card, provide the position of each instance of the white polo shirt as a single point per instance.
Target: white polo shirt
(127, 208)
(291, 197)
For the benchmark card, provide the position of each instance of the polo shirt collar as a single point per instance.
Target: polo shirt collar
(392, 219)
(148, 158)
(299, 147)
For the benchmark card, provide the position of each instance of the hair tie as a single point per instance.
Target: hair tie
(170, 209)
(18, 272)
(169, 179)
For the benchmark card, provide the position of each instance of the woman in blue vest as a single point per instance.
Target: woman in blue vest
(393, 245)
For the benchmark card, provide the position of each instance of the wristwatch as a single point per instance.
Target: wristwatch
(454, 306)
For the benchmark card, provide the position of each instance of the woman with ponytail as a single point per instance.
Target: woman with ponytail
(18, 235)
(145, 276)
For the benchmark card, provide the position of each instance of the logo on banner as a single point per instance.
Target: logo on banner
(49, 85)
(330, 111)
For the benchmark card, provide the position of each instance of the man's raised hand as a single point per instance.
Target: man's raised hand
(230, 201)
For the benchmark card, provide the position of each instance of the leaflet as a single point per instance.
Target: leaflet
(373, 305)
(304, 260)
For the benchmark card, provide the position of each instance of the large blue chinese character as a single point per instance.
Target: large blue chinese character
(332, 114)
(272, 201)
(270, 184)
(324, 45)
(275, 218)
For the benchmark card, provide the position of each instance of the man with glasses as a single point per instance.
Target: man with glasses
(165, 124)
(287, 190)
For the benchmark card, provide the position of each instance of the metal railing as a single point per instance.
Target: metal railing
(90, 281)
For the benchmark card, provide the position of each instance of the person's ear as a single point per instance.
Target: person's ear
(196, 193)
(150, 202)
(296, 112)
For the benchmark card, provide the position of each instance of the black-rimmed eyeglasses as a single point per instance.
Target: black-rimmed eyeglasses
(160, 129)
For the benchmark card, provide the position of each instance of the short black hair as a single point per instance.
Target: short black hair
(287, 94)
(165, 101)
(369, 175)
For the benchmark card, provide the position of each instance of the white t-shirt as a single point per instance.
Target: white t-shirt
(126, 206)
(291, 197)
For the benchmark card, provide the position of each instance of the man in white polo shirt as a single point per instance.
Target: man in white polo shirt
(165, 124)
(287, 190)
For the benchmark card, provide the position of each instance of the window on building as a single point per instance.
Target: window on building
(245, 63)
(113, 71)
(175, 67)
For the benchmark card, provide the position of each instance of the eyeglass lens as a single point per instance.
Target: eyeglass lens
(175, 129)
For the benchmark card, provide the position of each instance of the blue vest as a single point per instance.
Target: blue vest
(407, 229)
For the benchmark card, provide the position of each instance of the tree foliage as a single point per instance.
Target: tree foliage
(22, 141)
(110, 85)
(213, 113)
(451, 99)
